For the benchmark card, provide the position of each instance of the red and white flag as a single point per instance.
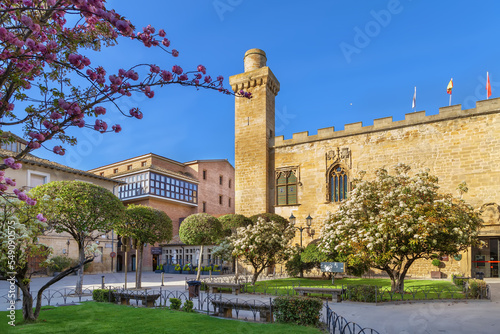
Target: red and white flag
(488, 86)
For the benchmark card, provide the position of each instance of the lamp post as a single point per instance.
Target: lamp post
(308, 223)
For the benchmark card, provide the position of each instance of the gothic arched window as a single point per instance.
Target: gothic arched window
(338, 184)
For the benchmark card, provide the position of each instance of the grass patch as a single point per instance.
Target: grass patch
(414, 289)
(103, 318)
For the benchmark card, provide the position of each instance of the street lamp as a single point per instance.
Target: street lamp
(308, 223)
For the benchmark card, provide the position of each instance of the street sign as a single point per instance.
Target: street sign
(112, 254)
(332, 267)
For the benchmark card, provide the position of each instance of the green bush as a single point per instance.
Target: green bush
(175, 304)
(298, 310)
(476, 288)
(177, 267)
(103, 295)
(59, 263)
(185, 268)
(363, 293)
(188, 306)
(436, 262)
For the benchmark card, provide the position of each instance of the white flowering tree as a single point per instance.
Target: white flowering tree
(394, 220)
(262, 244)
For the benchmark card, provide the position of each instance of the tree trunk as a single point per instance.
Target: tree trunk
(256, 274)
(199, 264)
(236, 272)
(79, 278)
(28, 314)
(138, 269)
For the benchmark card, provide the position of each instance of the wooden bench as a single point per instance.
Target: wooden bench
(336, 293)
(225, 309)
(148, 299)
(215, 287)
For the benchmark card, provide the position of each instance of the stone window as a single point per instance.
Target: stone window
(286, 187)
(338, 184)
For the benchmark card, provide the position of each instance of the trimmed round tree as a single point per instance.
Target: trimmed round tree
(200, 229)
(231, 222)
(145, 225)
(271, 217)
(84, 210)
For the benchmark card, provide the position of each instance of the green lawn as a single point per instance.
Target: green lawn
(415, 289)
(95, 318)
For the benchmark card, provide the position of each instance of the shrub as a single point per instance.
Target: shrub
(188, 306)
(363, 293)
(298, 310)
(185, 268)
(476, 289)
(59, 263)
(177, 267)
(175, 304)
(103, 295)
(436, 262)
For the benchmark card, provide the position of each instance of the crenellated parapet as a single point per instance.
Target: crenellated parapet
(383, 124)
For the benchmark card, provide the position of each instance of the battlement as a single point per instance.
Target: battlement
(386, 123)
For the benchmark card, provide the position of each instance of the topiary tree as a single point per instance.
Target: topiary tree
(200, 229)
(269, 217)
(83, 210)
(145, 225)
(231, 222)
(390, 222)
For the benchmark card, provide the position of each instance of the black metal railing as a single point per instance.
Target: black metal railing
(337, 324)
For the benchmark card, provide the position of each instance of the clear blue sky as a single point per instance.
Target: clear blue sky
(330, 73)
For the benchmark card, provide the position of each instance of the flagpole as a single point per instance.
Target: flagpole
(450, 100)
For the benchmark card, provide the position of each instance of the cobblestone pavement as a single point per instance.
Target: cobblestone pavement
(478, 317)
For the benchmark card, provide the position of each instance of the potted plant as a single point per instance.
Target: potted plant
(216, 270)
(436, 274)
(177, 269)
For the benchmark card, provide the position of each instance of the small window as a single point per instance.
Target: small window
(115, 170)
(37, 178)
(229, 202)
(181, 220)
(220, 199)
(129, 167)
(204, 174)
(230, 183)
(143, 164)
(101, 173)
(221, 179)
(204, 206)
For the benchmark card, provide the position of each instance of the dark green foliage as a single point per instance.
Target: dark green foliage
(298, 310)
(294, 265)
(271, 217)
(59, 263)
(200, 229)
(436, 262)
(231, 222)
(188, 306)
(103, 295)
(175, 304)
(363, 293)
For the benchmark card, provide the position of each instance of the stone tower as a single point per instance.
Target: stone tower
(254, 128)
